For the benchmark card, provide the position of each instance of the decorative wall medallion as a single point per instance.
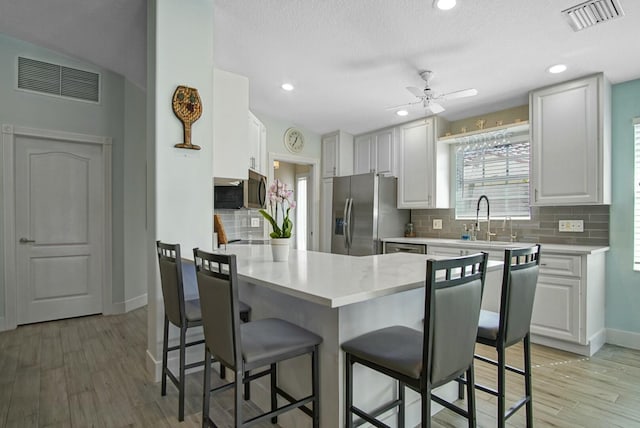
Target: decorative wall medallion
(188, 108)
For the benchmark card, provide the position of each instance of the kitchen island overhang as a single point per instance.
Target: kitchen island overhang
(338, 297)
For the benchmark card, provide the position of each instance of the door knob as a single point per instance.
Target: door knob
(26, 241)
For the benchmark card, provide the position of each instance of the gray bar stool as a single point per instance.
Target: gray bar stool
(244, 347)
(424, 360)
(511, 326)
(183, 314)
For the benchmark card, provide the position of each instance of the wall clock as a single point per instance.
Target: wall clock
(294, 140)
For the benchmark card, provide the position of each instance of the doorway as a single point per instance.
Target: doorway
(301, 175)
(57, 224)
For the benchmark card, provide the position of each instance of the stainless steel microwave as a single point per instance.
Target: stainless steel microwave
(249, 193)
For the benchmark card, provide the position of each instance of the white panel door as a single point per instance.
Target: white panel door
(59, 225)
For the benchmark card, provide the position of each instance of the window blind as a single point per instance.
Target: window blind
(636, 191)
(497, 166)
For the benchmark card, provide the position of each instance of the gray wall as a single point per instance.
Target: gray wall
(119, 99)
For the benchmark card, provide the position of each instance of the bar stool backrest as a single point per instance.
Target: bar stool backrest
(452, 308)
(170, 265)
(217, 278)
(520, 276)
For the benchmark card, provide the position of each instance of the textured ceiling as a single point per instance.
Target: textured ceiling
(349, 59)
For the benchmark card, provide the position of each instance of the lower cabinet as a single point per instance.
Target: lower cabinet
(568, 312)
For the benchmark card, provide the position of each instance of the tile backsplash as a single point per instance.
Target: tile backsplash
(237, 223)
(543, 226)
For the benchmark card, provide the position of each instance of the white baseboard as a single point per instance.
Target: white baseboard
(129, 305)
(627, 339)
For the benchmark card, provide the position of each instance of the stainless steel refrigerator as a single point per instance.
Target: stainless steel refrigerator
(364, 211)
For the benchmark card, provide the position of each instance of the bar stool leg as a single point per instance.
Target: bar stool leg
(348, 393)
(527, 380)
(238, 398)
(401, 412)
(274, 385)
(315, 387)
(501, 387)
(206, 389)
(426, 407)
(165, 351)
(471, 397)
(183, 334)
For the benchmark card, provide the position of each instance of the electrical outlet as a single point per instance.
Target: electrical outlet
(437, 223)
(255, 222)
(571, 225)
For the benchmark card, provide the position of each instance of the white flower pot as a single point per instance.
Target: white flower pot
(280, 249)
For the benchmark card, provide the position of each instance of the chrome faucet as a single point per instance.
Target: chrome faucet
(489, 234)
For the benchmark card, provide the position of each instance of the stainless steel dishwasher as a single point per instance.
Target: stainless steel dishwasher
(397, 247)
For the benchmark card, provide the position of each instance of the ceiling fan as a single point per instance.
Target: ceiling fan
(426, 96)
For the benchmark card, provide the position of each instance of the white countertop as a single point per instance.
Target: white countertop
(499, 245)
(332, 280)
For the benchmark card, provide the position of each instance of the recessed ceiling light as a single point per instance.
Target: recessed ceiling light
(445, 4)
(402, 112)
(558, 68)
(287, 86)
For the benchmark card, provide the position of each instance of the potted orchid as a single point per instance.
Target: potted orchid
(279, 203)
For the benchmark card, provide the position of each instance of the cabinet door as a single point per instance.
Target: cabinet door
(565, 143)
(326, 200)
(415, 178)
(330, 156)
(365, 154)
(384, 152)
(255, 135)
(556, 308)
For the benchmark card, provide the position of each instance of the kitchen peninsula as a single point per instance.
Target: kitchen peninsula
(338, 297)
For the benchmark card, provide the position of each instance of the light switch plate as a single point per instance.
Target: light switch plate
(437, 223)
(571, 225)
(255, 222)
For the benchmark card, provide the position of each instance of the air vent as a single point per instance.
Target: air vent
(592, 12)
(54, 79)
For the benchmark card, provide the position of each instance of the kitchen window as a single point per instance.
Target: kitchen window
(495, 164)
(636, 191)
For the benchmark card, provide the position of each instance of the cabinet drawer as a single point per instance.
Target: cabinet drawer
(560, 265)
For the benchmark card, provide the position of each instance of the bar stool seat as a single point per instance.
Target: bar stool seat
(488, 325)
(398, 348)
(272, 339)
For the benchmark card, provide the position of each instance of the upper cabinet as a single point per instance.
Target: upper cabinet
(571, 143)
(257, 145)
(337, 154)
(374, 152)
(423, 178)
(230, 128)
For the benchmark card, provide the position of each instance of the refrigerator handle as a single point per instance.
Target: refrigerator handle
(349, 218)
(345, 223)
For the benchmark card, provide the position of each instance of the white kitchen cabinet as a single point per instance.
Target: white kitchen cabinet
(569, 303)
(337, 154)
(374, 152)
(230, 127)
(326, 200)
(571, 143)
(423, 168)
(257, 145)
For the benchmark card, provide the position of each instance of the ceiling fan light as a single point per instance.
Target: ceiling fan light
(402, 113)
(445, 4)
(558, 68)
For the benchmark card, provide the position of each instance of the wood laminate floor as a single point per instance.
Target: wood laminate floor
(91, 372)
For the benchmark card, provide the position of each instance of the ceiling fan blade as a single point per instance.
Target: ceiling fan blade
(403, 105)
(416, 91)
(434, 108)
(459, 94)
